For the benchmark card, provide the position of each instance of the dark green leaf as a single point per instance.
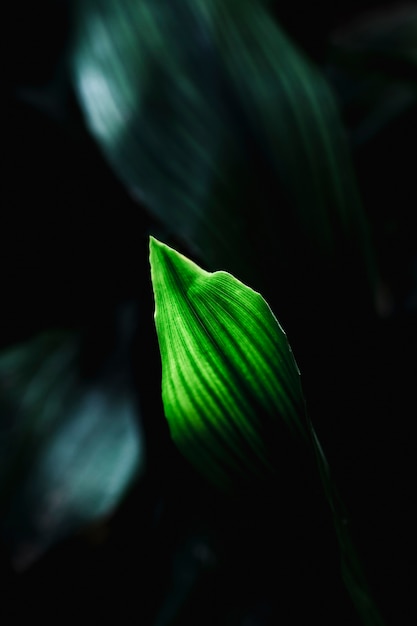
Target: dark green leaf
(223, 129)
(70, 444)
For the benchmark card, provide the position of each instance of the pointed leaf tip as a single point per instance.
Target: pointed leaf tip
(228, 373)
(170, 271)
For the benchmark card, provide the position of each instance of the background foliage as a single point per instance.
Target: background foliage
(101, 518)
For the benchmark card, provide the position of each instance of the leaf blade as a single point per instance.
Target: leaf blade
(221, 350)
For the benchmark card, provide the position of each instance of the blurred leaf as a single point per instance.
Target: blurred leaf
(228, 370)
(351, 567)
(390, 32)
(70, 441)
(193, 560)
(225, 132)
(372, 64)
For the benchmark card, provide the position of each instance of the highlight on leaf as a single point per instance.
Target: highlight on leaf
(228, 373)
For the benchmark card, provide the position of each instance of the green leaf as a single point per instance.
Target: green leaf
(226, 367)
(70, 444)
(225, 131)
(228, 373)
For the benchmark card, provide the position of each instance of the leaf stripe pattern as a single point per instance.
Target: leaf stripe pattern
(227, 366)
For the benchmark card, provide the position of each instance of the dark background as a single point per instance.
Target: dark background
(74, 248)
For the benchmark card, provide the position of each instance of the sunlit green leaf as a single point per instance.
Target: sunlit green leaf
(70, 444)
(228, 372)
(224, 130)
(227, 366)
